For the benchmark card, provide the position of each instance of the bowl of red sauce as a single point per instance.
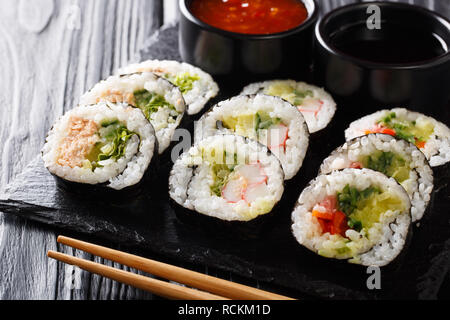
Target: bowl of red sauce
(248, 39)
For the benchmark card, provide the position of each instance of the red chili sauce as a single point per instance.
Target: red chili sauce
(251, 16)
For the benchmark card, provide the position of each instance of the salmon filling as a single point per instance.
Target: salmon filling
(79, 142)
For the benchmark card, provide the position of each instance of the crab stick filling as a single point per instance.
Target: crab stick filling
(240, 183)
(311, 105)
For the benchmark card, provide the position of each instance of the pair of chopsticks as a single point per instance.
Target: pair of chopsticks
(207, 287)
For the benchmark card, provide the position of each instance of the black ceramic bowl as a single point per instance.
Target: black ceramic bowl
(364, 77)
(247, 57)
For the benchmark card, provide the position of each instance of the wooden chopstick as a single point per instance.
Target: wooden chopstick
(160, 288)
(216, 286)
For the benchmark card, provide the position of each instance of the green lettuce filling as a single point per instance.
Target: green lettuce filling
(264, 121)
(389, 164)
(350, 199)
(184, 81)
(221, 168)
(150, 102)
(355, 224)
(221, 173)
(302, 95)
(114, 137)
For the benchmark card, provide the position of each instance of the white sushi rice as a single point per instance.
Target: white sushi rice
(126, 171)
(387, 238)
(203, 89)
(296, 144)
(437, 148)
(420, 183)
(316, 121)
(191, 178)
(122, 88)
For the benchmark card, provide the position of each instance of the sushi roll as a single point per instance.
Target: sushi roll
(430, 136)
(106, 146)
(358, 215)
(197, 86)
(269, 120)
(160, 101)
(393, 157)
(229, 178)
(316, 105)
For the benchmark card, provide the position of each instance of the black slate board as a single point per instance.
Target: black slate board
(148, 221)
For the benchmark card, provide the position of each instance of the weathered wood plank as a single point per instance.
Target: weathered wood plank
(51, 51)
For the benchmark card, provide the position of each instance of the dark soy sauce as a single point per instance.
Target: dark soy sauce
(392, 44)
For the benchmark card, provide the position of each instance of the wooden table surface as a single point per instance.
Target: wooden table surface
(51, 51)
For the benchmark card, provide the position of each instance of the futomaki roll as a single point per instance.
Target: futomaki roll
(159, 100)
(393, 157)
(229, 178)
(197, 86)
(359, 215)
(430, 136)
(270, 120)
(108, 146)
(316, 105)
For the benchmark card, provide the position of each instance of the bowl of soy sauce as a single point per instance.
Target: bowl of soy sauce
(375, 55)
